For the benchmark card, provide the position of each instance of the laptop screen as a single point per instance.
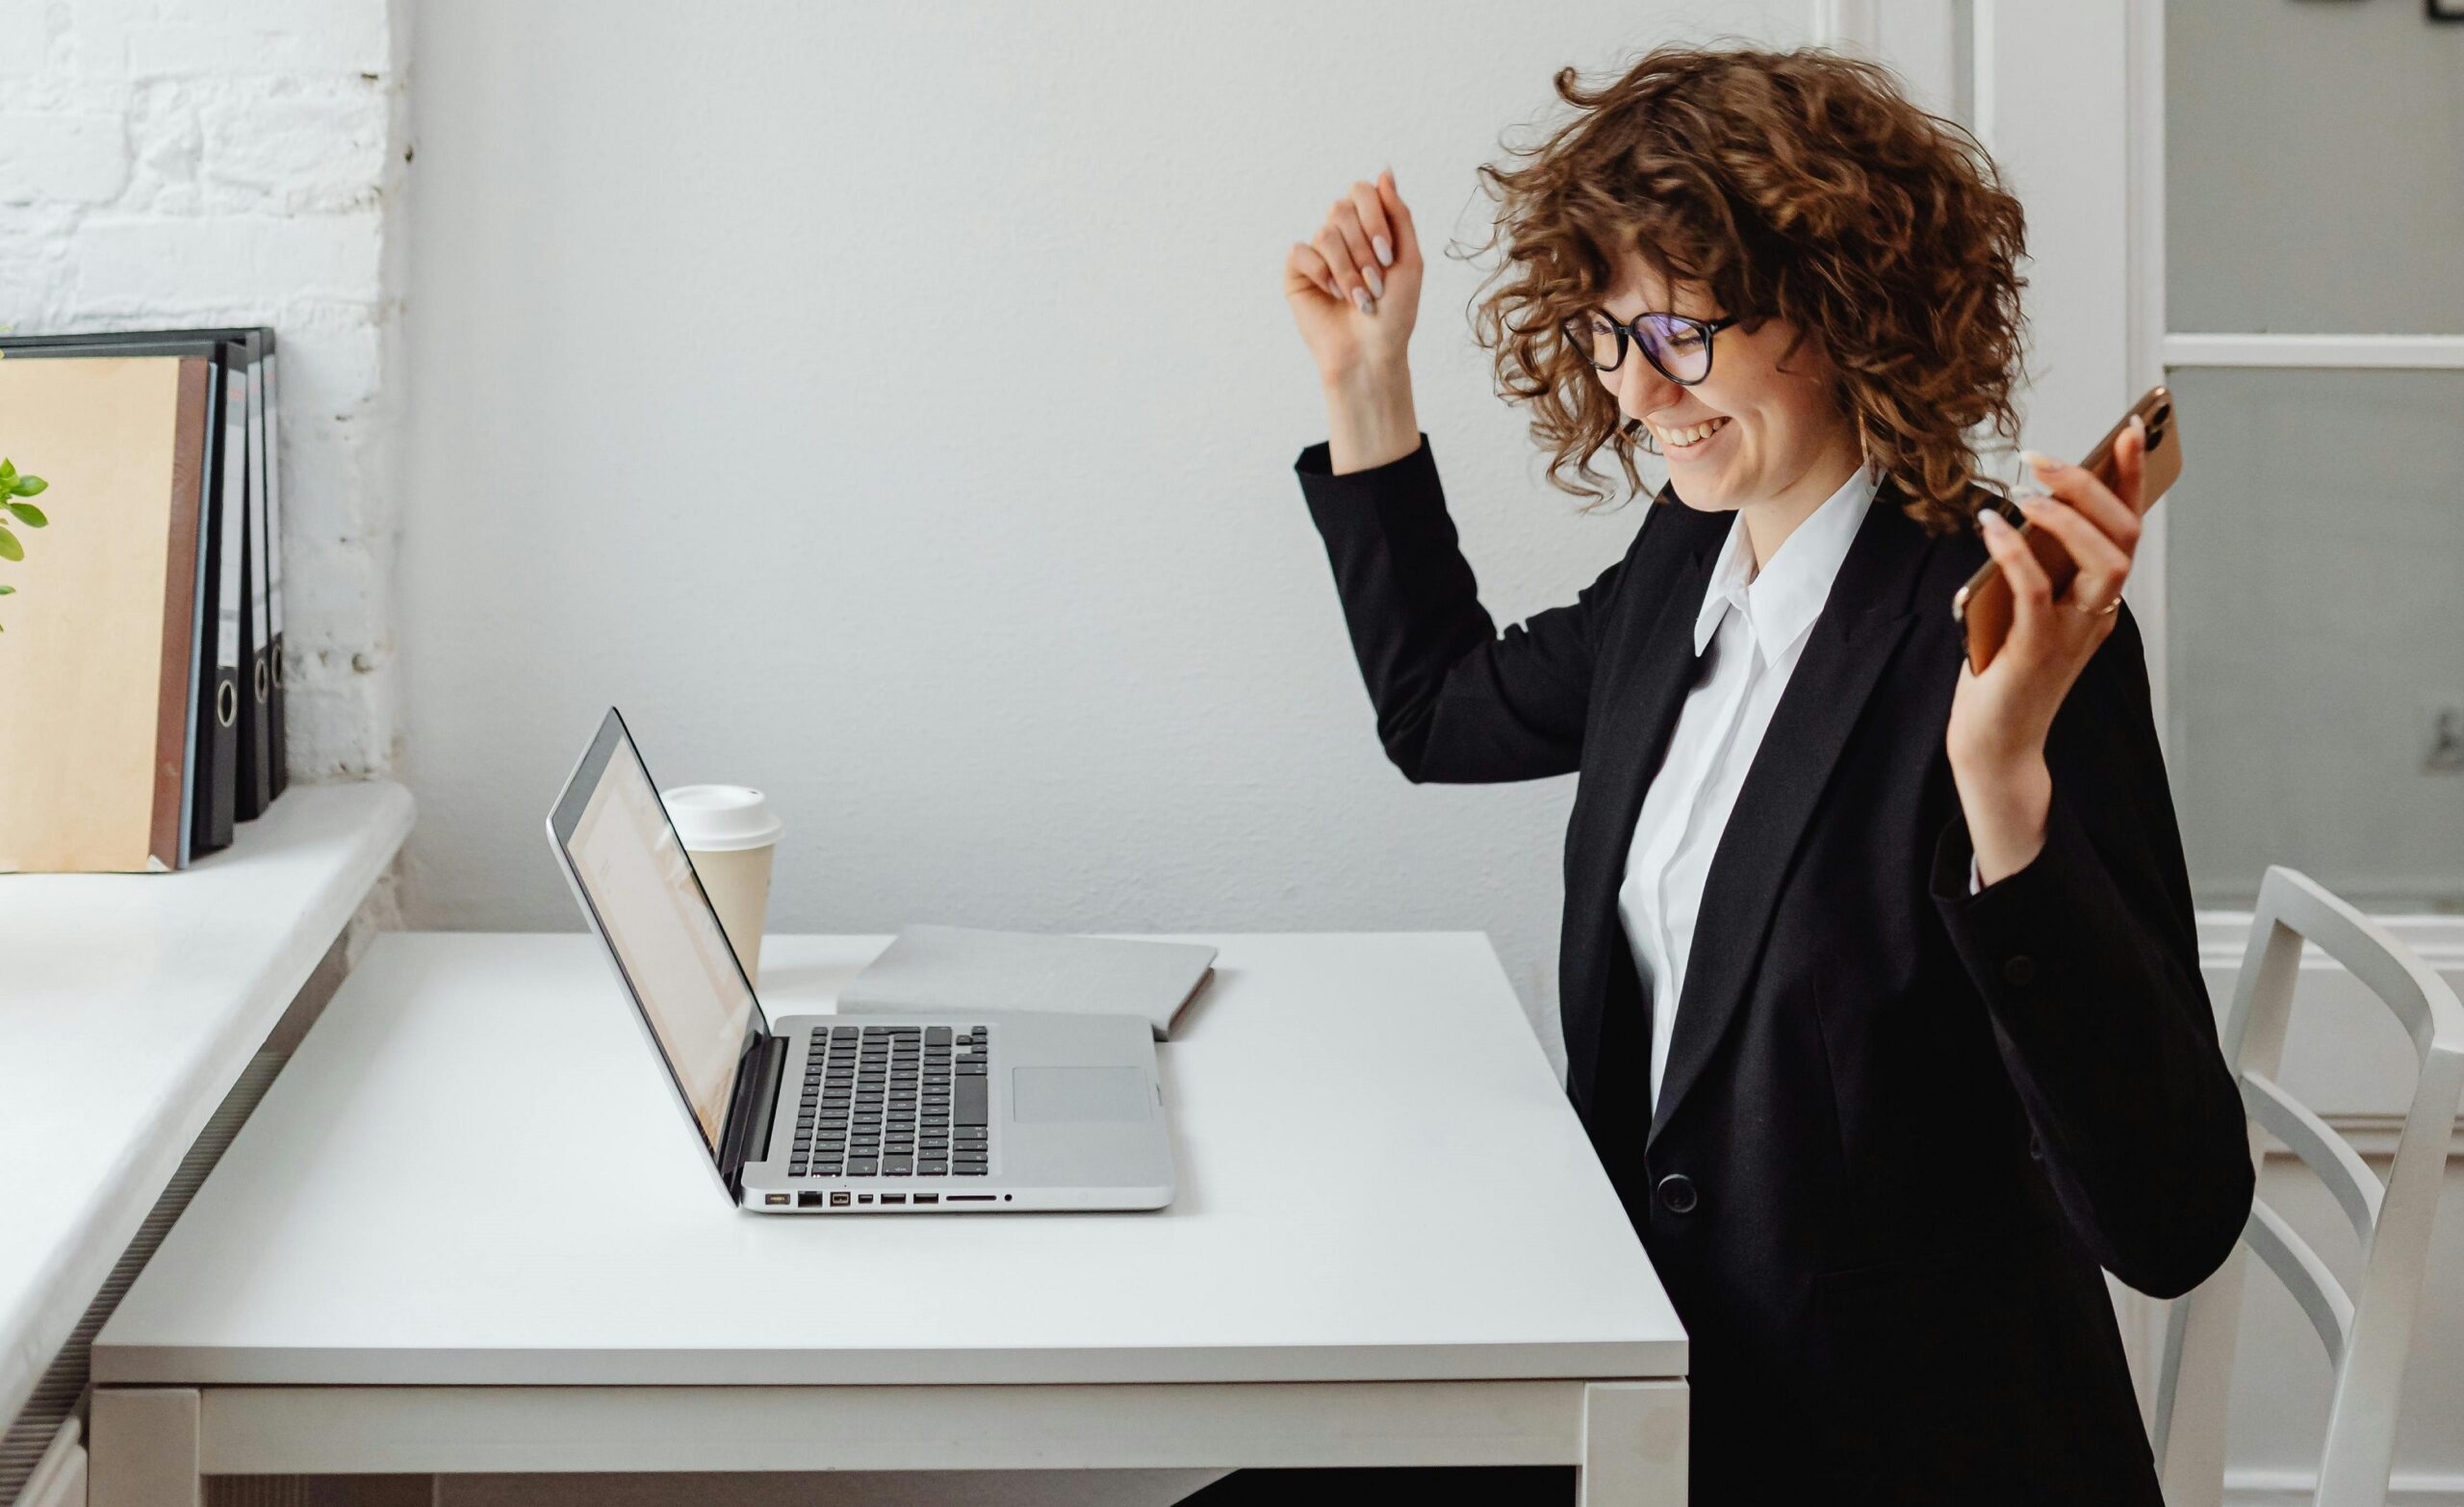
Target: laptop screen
(622, 851)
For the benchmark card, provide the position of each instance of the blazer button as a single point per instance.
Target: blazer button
(2021, 970)
(1677, 1194)
(2035, 1149)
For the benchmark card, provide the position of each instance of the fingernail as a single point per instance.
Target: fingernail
(1385, 251)
(1360, 296)
(2029, 501)
(1377, 284)
(2040, 462)
(1991, 519)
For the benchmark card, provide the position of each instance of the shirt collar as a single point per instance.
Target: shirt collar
(1779, 603)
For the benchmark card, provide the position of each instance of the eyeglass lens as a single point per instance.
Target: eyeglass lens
(1679, 349)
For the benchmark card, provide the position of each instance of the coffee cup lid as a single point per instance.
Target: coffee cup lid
(721, 818)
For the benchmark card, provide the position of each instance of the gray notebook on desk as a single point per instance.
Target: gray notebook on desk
(943, 968)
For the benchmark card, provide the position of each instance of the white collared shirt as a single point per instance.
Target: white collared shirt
(1755, 625)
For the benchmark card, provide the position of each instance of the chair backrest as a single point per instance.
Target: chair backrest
(2368, 1332)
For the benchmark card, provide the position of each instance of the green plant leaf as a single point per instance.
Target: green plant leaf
(28, 486)
(6, 591)
(7, 472)
(28, 513)
(9, 548)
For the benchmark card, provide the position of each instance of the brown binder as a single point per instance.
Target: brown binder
(100, 637)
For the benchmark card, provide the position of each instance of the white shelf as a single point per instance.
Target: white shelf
(129, 1005)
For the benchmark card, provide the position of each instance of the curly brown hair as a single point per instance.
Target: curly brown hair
(1801, 185)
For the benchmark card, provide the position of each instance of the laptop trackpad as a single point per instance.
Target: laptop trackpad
(1053, 1095)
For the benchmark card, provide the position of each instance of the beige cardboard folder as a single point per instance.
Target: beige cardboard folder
(99, 640)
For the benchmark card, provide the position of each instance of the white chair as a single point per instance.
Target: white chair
(2366, 1332)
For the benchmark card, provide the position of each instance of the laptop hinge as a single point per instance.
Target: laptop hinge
(748, 1131)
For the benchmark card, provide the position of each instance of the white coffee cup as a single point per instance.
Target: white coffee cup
(731, 835)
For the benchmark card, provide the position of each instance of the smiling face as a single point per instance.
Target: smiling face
(1780, 437)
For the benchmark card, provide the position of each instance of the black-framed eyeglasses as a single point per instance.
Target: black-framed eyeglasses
(1680, 348)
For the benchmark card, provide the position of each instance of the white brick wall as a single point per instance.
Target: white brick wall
(167, 163)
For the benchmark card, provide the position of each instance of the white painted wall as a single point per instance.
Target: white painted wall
(894, 408)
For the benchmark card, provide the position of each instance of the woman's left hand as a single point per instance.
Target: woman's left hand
(1999, 718)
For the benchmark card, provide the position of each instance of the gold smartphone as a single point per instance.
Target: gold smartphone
(1985, 605)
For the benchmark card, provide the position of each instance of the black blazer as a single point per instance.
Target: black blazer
(1901, 1126)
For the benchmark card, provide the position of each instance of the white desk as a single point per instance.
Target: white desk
(463, 1234)
(129, 1005)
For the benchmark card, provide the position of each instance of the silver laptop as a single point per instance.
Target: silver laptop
(829, 1115)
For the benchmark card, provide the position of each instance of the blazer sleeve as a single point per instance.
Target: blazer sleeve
(1456, 700)
(2088, 960)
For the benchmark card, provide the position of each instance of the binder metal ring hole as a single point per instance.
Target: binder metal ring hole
(263, 684)
(226, 702)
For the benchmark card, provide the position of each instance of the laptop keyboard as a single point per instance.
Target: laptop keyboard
(893, 1101)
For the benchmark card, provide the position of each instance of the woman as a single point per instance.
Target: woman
(1881, 997)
